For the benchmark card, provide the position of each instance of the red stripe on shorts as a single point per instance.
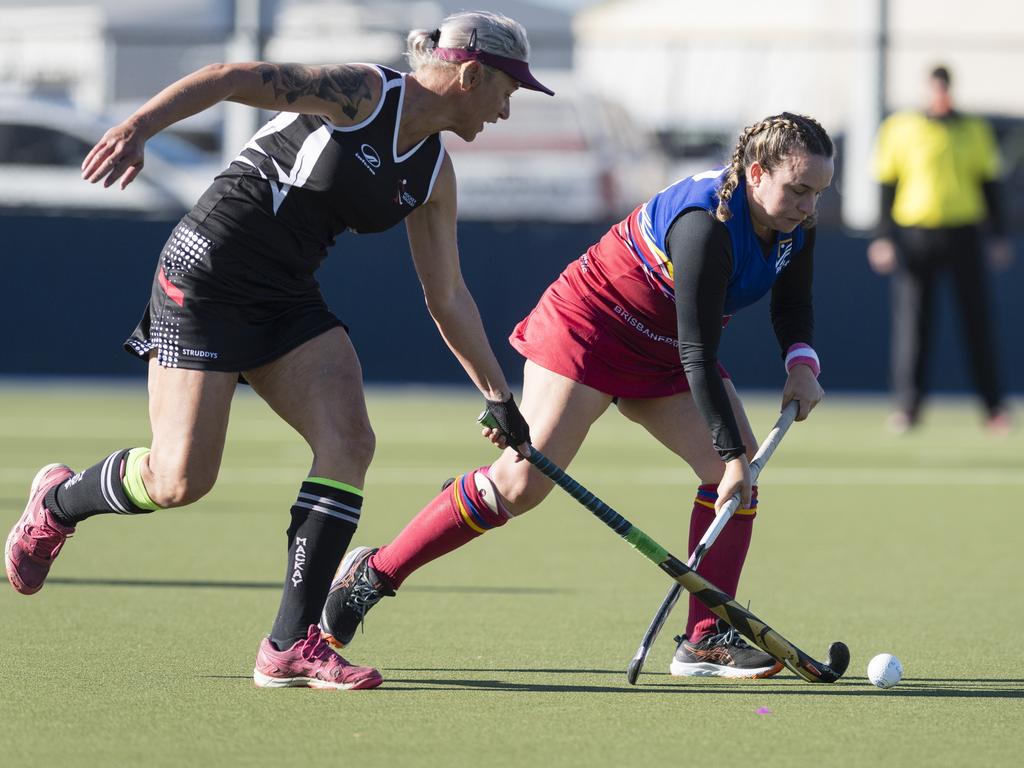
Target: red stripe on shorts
(173, 292)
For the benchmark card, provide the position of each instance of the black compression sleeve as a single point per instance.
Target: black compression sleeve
(701, 254)
(792, 309)
(994, 203)
(886, 225)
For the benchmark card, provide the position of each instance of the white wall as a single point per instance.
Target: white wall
(60, 52)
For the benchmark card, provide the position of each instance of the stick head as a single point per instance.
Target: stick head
(835, 664)
(633, 671)
(838, 658)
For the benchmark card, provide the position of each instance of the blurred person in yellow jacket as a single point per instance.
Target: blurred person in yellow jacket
(939, 173)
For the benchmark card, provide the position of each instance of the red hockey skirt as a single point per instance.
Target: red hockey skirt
(609, 329)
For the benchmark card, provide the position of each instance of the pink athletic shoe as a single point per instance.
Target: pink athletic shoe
(37, 538)
(999, 424)
(310, 663)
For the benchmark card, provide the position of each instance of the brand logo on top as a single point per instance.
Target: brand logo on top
(368, 156)
(785, 254)
(402, 196)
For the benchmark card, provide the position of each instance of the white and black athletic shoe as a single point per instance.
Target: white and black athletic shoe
(723, 653)
(355, 590)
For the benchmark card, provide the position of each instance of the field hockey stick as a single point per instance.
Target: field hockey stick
(719, 603)
(728, 510)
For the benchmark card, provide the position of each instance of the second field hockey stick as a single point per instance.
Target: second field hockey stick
(728, 510)
(719, 603)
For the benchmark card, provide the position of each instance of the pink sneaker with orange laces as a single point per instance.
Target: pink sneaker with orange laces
(310, 663)
(37, 538)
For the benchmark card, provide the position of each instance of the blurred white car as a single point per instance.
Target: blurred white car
(571, 157)
(43, 144)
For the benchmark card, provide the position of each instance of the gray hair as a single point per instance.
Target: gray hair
(490, 32)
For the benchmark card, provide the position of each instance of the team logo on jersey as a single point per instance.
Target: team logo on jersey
(785, 254)
(368, 156)
(401, 196)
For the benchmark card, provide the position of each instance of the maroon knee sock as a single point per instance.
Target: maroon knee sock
(724, 560)
(457, 515)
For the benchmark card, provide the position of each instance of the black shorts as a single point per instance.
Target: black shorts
(215, 307)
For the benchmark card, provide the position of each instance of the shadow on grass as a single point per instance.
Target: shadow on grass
(949, 688)
(276, 585)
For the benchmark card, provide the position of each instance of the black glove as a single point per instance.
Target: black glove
(510, 420)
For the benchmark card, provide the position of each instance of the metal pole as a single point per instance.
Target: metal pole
(882, 53)
(246, 44)
(866, 107)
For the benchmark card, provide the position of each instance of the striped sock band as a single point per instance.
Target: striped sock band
(134, 488)
(97, 490)
(110, 484)
(477, 503)
(332, 498)
(707, 495)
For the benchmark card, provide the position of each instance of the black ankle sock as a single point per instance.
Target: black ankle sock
(324, 520)
(97, 490)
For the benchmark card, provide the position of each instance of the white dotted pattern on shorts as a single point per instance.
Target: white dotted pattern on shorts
(185, 249)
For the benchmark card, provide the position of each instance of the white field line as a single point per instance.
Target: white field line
(607, 475)
(427, 434)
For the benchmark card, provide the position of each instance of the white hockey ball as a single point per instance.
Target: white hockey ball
(885, 670)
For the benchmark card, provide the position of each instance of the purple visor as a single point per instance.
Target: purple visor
(515, 68)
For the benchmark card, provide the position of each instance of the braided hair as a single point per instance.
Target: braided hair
(769, 142)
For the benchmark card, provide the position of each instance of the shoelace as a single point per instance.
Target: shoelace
(315, 649)
(730, 637)
(46, 540)
(362, 598)
(734, 638)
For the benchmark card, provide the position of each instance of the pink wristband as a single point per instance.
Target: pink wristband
(803, 354)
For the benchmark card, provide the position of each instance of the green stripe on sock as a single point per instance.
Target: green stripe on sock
(336, 484)
(134, 488)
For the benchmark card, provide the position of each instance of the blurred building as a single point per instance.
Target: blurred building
(725, 64)
(110, 55)
(375, 30)
(693, 69)
(103, 58)
(693, 73)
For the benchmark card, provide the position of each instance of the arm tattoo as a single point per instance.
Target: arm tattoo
(343, 85)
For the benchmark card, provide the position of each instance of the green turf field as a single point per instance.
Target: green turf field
(512, 651)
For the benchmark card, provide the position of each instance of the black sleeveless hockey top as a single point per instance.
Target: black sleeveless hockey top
(301, 181)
